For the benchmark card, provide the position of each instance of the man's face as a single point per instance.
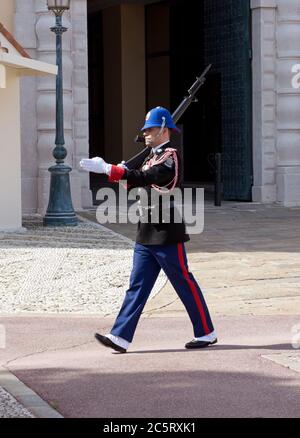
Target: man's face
(154, 136)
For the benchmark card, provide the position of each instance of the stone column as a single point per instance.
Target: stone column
(264, 100)
(124, 79)
(24, 32)
(288, 103)
(133, 75)
(80, 95)
(46, 105)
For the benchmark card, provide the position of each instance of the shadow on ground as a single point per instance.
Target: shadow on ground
(180, 394)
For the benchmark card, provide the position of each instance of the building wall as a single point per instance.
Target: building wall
(7, 14)
(79, 56)
(32, 22)
(264, 100)
(133, 76)
(24, 32)
(288, 103)
(124, 79)
(276, 104)
(10, 174)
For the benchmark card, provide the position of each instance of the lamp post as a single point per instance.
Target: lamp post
(60, 211)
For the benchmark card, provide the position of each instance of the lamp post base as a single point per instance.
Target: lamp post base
(60, 221)
(60, 211)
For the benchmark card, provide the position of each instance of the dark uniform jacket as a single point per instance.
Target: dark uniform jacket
(160, 233)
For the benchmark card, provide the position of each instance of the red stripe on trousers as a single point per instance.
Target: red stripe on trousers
(193, 288)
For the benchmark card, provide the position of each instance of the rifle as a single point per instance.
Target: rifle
(136, 161)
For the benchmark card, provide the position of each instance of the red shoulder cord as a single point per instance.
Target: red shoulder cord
(156, 160)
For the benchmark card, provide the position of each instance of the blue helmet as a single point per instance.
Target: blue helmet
(159, 117)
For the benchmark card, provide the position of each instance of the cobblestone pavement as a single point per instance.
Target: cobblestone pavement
(10, 408)
(247, 262)
(83, 269)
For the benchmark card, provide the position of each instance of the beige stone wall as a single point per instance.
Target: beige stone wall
(24, 32)
(7, 8)
(32, 22)
(124, 79)
(79, 56)
(10, 165)
(133, 76)
(276, 105)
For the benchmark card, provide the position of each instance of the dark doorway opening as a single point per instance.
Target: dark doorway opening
(96, 94)
(202, 129)
(175, 57)
(182, 37)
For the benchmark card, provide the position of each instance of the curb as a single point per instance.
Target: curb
(25, 396)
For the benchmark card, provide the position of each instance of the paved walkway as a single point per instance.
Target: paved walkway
(247, 263)
(59, 359)
(81, 270)
(65, 270)
(247, 260)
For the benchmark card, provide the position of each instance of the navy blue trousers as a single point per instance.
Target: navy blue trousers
(148, 260)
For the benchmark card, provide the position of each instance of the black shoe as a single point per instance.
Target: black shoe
(108, 343)
(200, 344)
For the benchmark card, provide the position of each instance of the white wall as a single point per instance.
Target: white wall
(10, 166)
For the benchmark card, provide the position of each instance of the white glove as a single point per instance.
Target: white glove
(96, 165)
(122, 164)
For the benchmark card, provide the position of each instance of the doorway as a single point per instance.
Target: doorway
(182, 38)
(96, 94)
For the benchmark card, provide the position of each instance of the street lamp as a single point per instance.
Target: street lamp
(58, 6)
(60, 211)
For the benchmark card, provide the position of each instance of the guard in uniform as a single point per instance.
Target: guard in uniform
(159, 244)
